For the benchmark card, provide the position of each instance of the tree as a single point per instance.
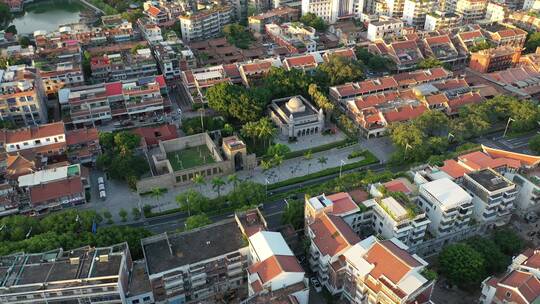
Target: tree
(11, 29)
(157, 193)
(315, 22)
(227, 130)
(294, 214)
(235, 102)
(534, 144)
(238, 35)
(339, 70)
(107, 214)
(430, 62)
(462, 265)
(5, 14)
(508, 241)
(217, 184)
(322, 161)
(533, 41)
(136, 213)
(374, 62)
(308, 155)
(278, 149)
(24, 41)
(247, 193)
(133, 15)
(495, 261)
(233, 179)
(433, 123)
(347, 124)
(192, 202)
(265, 130)
(126, 142)
(321, 100)
(479, 46)
(199, 180)
(196, 221)
(123, 214)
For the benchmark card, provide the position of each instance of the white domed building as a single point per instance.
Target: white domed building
(296, 117)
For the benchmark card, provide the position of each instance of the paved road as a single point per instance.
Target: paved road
(516, 144)
(273, 209)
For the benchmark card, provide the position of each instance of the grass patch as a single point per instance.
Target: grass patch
(190, 157)
(369, 159)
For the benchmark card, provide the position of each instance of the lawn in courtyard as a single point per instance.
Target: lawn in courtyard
(190, 157)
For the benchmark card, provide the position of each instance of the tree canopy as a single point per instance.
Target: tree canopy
(533, 41)
(339, 70)
(462, 265)
(534, 144)
(430, 62)
(238, 35)
(374, 62)
(315, 22)
(294, 214)
(196, 221)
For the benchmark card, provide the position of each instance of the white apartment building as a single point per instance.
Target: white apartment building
(448, 207)
(393, 219)
(415, 11)
(150, 32)
(339, 204)
(329, 10)
(493, 195)
(531, 5)
(495, 12)
(375, 271)
(206, 23)
(470, 10)
(40, 138)
(441, 20)
(273, 267)
(384, 27)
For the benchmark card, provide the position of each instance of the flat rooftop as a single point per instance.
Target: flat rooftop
(166, 252)
(448, 193)
(489, 179)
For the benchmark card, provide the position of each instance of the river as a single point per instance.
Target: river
(47, 15)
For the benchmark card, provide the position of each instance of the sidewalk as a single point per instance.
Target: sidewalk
(290, 168)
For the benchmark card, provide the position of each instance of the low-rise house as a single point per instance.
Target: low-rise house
(504, 35)
(56, 195)
(46, 140)
(348, 32)
(521, 81)
(442, 48)
(174, 57)
(520, 284)
(135, 62)
(277, 15)
(152, 136)
(83, 145)
(405, 54)
(383, 28)
(297, 38)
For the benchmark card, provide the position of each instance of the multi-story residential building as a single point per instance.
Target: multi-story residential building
(375, 271)
(448, 207)
(83, 145)
(493, 195)
(22, 96)
(274, 268)
(496, 12)
(470, 10)
(338, 204)
(206, 23)
(173, 57)
(528, 22)
(520, 284)
(87, 274)
(383, 28)
(531, 5)
(494, 59)
(190, 267)
(503, 35)
(47, 139)
(277, 15)
(415, 11)
(296, 37)
(124, 65)
(150, 31)
(395, 218)
(329, 10)
(56, 195)
(439, 20)
(60, 66)
(145, 96)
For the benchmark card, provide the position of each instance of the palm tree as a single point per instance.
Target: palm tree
(249, 130)
(157, 193)
(322, 160)
(266, 130)
(217, 183)
(199, 180)
(233, 179)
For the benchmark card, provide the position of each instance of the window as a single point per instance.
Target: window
(146, 298)
(136, 301)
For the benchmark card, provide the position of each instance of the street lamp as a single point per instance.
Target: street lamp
(266, 185)
(341, 167)
(507, 124)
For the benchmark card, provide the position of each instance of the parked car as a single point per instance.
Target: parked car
(316, 284)
(100, 180)
(101, 187)
(102, 195)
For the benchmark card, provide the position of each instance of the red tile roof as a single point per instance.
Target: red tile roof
(397, 186)
(527, 285)
(390, 261)
(404, 113)
(523, 159)
(274, 266)
(342, 203)
(24, 134)
(152, 135)
(55, 190)
(81, 136)
(113, 89)
(466, 36)
(436, 99)
(330, 238)
(454, 169)
(153, 11)
(301, 61)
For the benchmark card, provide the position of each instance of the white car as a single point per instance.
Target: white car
(102, 195)
(100, 180)
(101, 187)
